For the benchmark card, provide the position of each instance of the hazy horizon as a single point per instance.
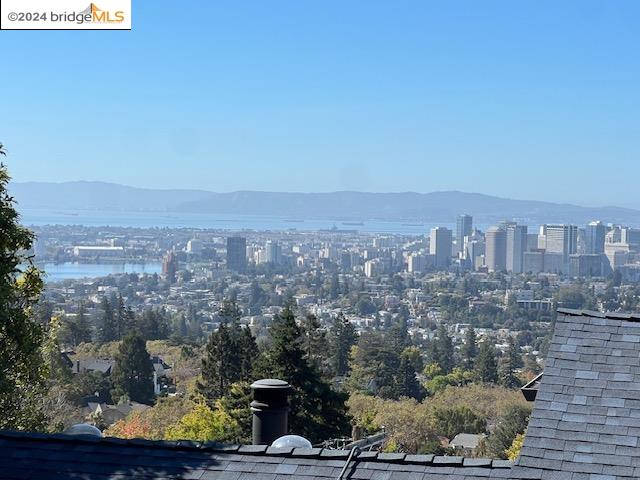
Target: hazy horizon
(524, 101)
(205, 190)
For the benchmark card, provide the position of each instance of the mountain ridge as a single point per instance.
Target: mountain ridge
(347, 204)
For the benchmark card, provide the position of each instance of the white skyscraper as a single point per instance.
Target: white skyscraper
(516, 246)
(440, 244)
(561, 239)
(496, 249)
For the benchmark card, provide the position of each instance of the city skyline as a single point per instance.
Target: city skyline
(422, 97)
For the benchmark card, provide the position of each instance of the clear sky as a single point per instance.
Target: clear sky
(523, 99)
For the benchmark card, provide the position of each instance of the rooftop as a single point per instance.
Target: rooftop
(585, 425)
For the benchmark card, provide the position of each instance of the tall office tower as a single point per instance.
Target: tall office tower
(440, 245)
(516, 246)
(496, 249)
(561, 239)
(272, 252)
(464, 227)
(237, 254)
(630, 236)
(169, 267)
(594, 238)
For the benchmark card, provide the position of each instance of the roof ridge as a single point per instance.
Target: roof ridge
(595, 314)
(265, 450)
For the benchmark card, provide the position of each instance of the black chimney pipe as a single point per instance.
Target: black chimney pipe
(270, 408)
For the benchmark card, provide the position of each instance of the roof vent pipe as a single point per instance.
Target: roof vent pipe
(270, 408)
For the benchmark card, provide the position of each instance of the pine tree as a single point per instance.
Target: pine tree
(315, 344)
(407, 384)
(442, 350)
(469, 350)
(317, 412)
(509, 363)
(108, 330)
(229, 356)
(343, 336)
(486, 366)
(23, 371)
(219, 366)
(120, 318)
(133, 372)
(399, 334)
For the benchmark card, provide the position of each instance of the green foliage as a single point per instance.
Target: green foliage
(457, 378)
(152, 324)
(229, 356)
(513, 452)
(365, 306)
(486, 367)
(449, 422)
(201, 423)
(235, 404)
(314, 343)
(133, 373)
(342, 337)
(441, 350)
(407, 384)
(509, 363)
(513, 421)
(87, 384)
(23, 372)
(415, 426)
(317, 412)
(469, 350)
(153, 422)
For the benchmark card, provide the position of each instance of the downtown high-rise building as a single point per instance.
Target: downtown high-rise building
(516, 247)
(595, 233)
(496, 249)
(237, 254)
(272, 252)
(562, 239)
(464, 227)
(170, 266)
(440, 244)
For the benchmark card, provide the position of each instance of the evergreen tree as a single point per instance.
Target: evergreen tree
(220, 366)
(133, 372)
(229, 312)
(109, 329)
(23, 370)
(374, 366)
(509, 363)
(152, 325)
(314, 343)
(442, 350)
(511, 423)
(399, 334)
(469, 350)
(257, 298)
(343, 336)
(229, 356)
(121, 319)
(248, 350)
(334, 287)
(317, 412)
(407, 384)
(486, 366)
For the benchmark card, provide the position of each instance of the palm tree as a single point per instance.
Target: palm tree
(2, 150)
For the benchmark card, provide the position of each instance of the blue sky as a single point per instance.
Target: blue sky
(532, 99)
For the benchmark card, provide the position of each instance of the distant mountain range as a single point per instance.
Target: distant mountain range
(345, 205)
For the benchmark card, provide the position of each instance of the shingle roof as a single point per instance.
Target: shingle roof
(585, 426)
(586, 418)
(34, 456)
